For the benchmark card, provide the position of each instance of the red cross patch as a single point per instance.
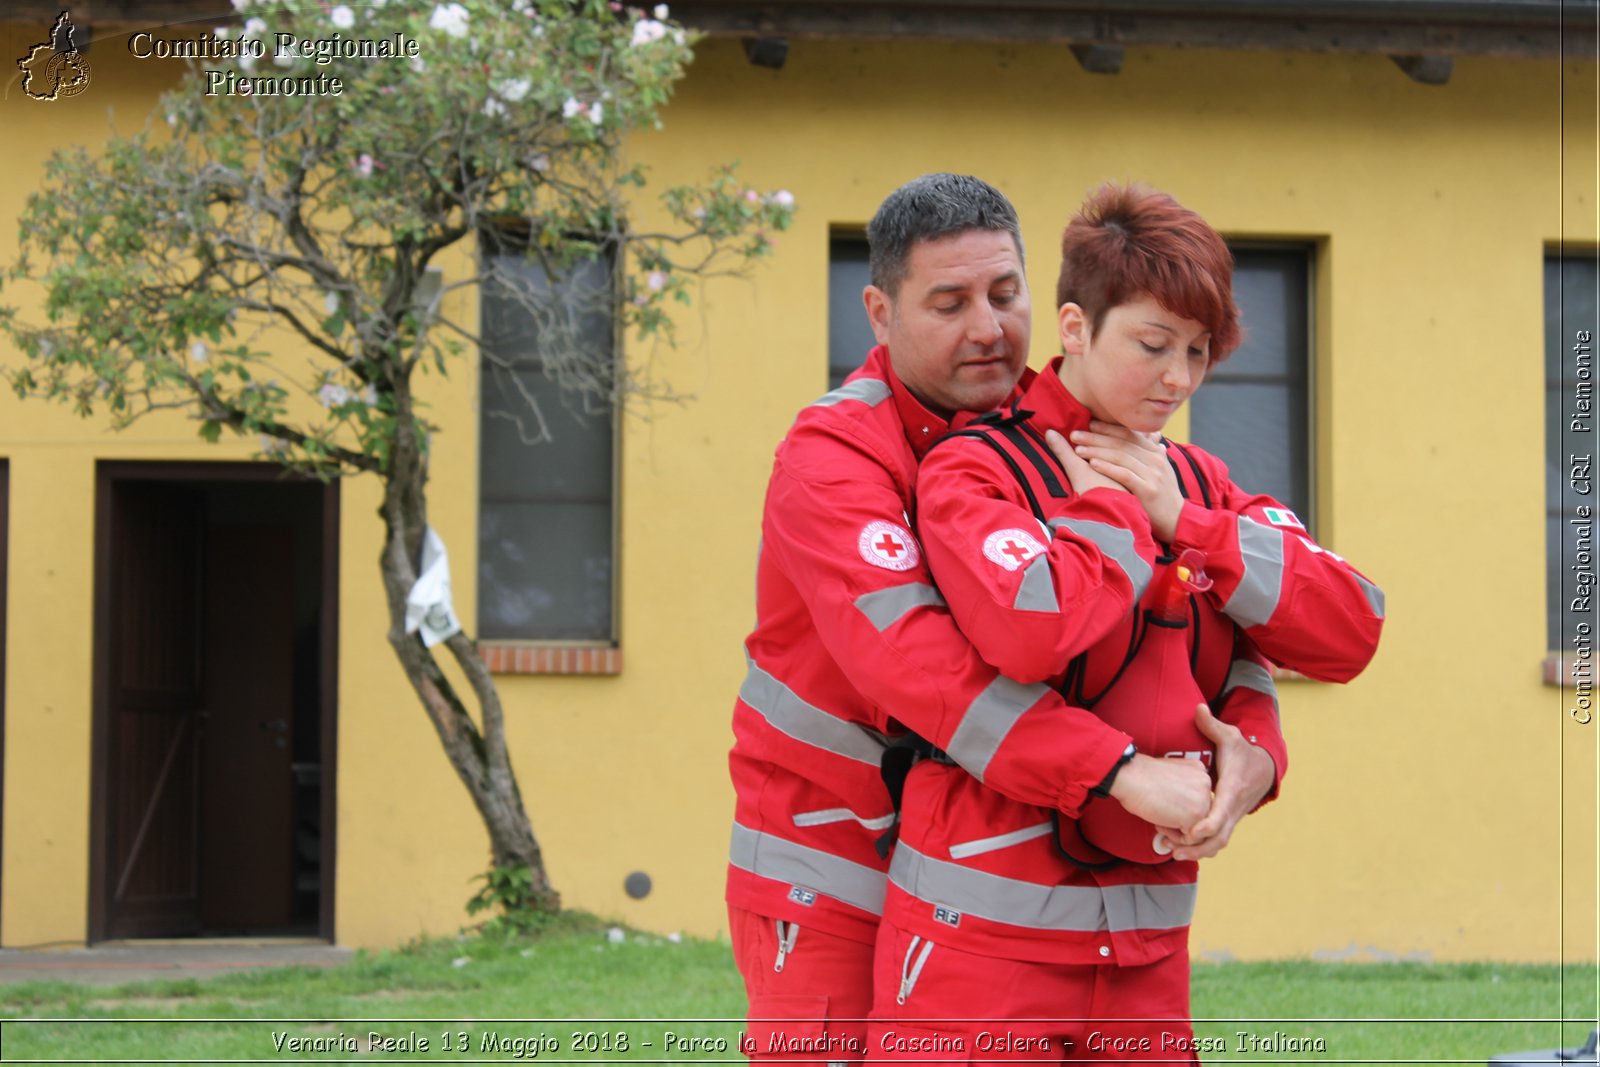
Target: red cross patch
(1011, 548)
(886, 545)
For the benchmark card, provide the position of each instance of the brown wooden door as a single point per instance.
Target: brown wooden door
(247, 827)
(152, 814)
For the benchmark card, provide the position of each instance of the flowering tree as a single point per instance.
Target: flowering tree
(261, 262)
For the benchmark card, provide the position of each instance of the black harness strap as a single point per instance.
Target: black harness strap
(1047, 474)
(899, 756)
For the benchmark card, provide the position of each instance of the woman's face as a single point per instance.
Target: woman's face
(1139, 367)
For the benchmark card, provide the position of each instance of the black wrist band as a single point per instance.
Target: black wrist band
(1104, 788)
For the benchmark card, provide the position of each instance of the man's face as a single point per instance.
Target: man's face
(957, 329)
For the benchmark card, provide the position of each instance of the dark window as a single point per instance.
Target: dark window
(1254, 410)
(849, 334)
(547, 474)
(1570, 333)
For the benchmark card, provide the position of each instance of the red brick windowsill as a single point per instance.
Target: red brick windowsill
(1556, 664)
(520, 657)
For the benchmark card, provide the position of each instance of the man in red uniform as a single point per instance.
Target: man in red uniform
(853, 645)
(1002, 940)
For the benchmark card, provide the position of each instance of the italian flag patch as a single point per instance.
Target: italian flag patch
(1282, 517)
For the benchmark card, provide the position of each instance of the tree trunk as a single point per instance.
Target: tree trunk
(480, 758)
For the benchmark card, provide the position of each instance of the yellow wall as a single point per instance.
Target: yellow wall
(1426, 808)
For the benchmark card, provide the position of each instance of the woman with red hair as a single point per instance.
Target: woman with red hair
(1013, 932)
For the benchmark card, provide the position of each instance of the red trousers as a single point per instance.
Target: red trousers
(940, 1005)
(809, 992)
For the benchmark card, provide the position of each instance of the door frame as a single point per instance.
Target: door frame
(108, 473)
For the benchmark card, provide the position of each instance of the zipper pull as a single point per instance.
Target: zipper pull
(785, 941)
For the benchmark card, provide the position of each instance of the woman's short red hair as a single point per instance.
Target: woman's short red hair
(1128, 240)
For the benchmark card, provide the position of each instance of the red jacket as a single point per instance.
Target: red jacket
(852, 643)
(977, 869)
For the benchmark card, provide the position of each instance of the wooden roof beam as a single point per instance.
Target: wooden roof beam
(1336, 30)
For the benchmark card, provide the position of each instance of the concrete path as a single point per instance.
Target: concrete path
(114, 963)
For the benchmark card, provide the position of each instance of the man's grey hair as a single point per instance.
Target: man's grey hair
(927, 208)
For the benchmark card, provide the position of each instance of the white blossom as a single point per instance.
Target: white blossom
(460, 961)
(369, 396)
(451, 18)
(597, 111)
(330, 300)
(656, 280)
(363, 165)
(676, 937)
(247, 62)
(647, 31)
(783, 198)
(418, 64)
(254, 27)
(539, 162)
(342, 17)
(571, 108)
(221, 31)
(616, 935)
(241, 6)
(331, 395)
(660, 11)
(493, 108)
(199, 351)
(514, 89)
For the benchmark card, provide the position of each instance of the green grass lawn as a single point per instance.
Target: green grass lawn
(574, 995)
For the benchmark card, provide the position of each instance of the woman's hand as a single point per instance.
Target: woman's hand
(1079, 474)
(1138, 463)
(1245, 774)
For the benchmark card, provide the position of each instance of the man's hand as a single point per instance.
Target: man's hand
(1138, 463)
(1081, 476)
(1167, 792)
(1244, 775)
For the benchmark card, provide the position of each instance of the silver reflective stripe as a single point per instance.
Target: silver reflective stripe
(1116, 544)
(786, 712)
(870, 391)
(832, 815)
(1083, 909)
(1374, 595)
(987, 721)
(1256, 598)
(784, 861)
(990, 844)
(885, 607)
(1248, 674)
(1037, 591)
